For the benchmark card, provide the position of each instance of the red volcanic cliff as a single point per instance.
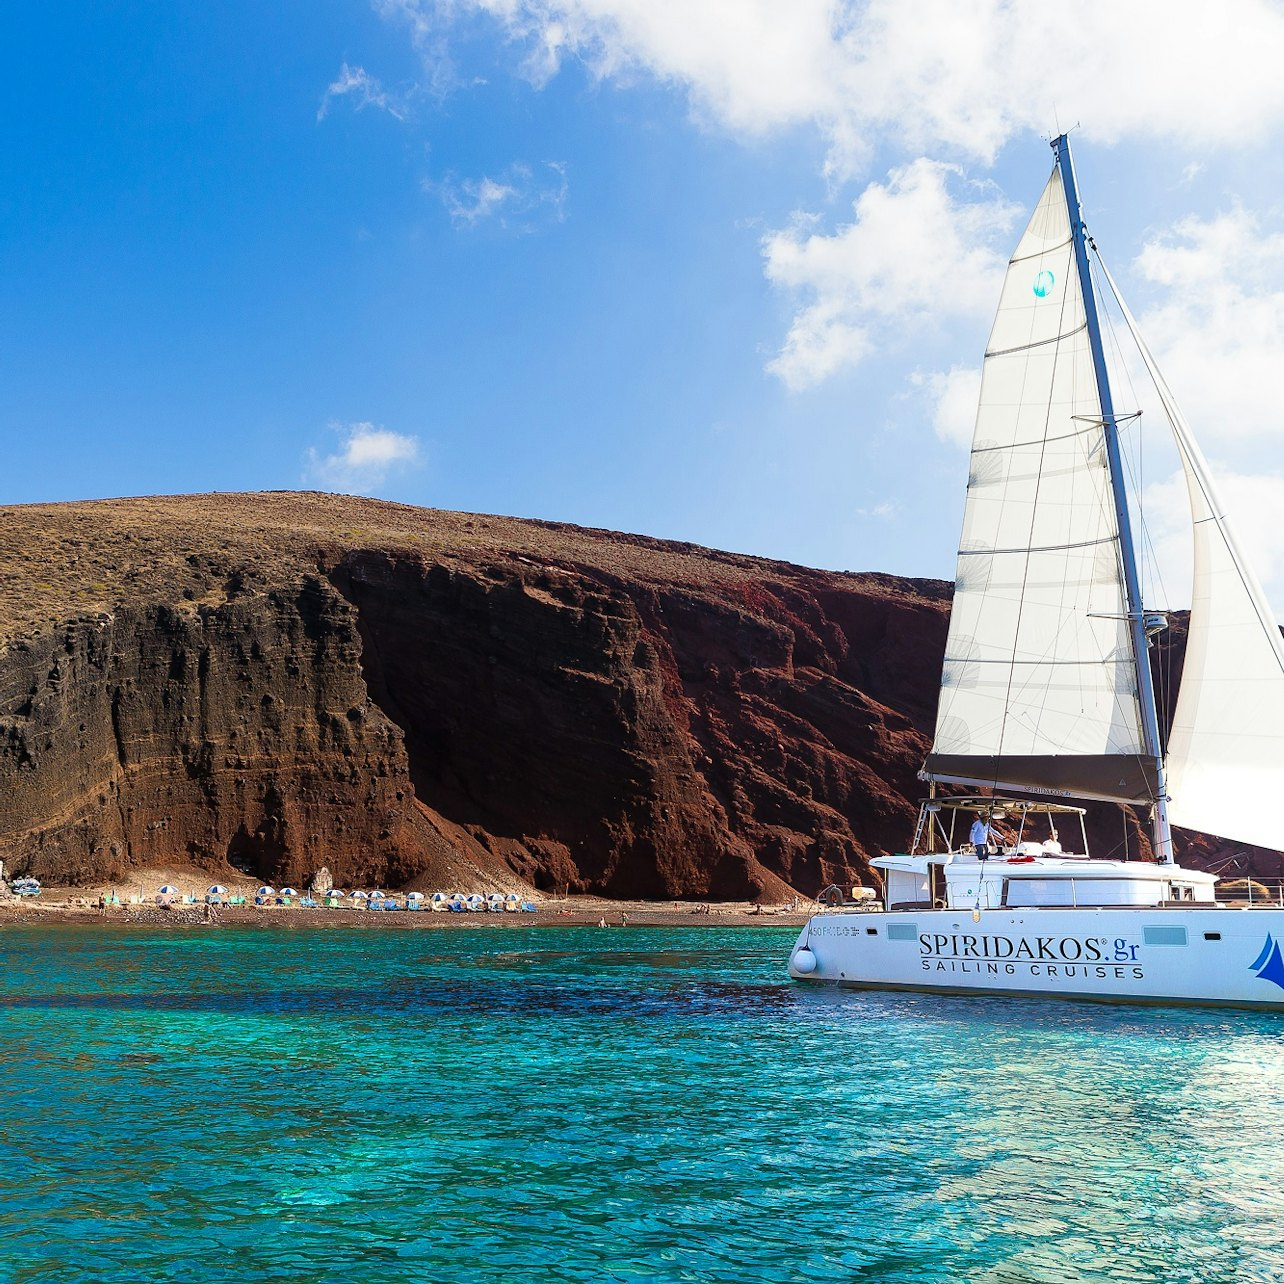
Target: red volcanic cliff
(283, 681)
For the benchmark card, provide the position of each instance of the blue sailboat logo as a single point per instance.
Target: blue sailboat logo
(1268, 965)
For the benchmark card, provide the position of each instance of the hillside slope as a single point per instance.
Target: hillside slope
(275, 682)
(281, 681)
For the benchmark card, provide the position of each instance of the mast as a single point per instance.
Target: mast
(1132, 590)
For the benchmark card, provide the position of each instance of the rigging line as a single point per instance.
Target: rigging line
(1137, 470)
(1163, 670)
(1189, 449)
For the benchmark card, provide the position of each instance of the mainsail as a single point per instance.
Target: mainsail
(1039, 689)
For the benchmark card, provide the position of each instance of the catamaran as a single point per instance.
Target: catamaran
(1046, 690)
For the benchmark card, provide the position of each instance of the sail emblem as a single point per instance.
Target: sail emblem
(1043, 283)
(1268, 965)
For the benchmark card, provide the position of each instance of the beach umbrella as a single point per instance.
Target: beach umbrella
(287, 891)
(169, 890)
(265, 891)
(360, 896)
(217, 890)
(414, 896)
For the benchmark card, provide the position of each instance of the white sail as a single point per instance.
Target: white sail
(1039, 687)
(1226, 744)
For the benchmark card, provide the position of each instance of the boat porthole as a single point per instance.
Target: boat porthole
(1212, 936)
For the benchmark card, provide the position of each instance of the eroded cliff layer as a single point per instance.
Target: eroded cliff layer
(281, 681)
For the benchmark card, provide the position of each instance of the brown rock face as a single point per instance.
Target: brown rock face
(283, 682)
(235, 729)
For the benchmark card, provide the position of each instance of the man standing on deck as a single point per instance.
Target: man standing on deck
(980, 836)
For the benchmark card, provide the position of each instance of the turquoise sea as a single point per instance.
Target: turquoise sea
(586, 1105)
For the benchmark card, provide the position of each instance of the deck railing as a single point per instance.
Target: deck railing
(1266, 892)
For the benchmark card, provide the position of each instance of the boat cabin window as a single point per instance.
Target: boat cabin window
(906, 887)
(1082, 891)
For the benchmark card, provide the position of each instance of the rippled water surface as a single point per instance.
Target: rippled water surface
(633, 1104)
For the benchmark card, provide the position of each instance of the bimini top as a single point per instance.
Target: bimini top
(1005, 806)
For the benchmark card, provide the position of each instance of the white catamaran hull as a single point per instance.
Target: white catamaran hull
(1224, 957)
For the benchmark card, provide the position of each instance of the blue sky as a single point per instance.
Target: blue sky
(717, 270)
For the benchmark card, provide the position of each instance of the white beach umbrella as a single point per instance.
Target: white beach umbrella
(360, 896)
(265, 891)
(287, 891)
(169, 890)
(414, 896)
(217, 890)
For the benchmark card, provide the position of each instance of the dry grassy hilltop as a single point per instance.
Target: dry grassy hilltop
(274, 682)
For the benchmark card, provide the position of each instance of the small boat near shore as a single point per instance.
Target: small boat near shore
(1047, 690)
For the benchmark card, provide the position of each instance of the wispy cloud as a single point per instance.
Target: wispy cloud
(361, 88)
(429, 26)
(880, 512)
(366, 457)
(517, 199)
(872, 276)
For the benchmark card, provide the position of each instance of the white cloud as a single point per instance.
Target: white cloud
(913, 257)
(965, 75)
(1219, 331)
(954, 395)
(950, 77)
(366, 457)
(364, 90)
(514, 200)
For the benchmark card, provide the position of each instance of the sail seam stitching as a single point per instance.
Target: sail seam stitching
(1094, 426)
(959, 659)
(1035, 548)
(1042, 343)
(1038, 254)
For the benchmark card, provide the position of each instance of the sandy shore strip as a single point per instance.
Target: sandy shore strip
(574, 912)
(138, 893)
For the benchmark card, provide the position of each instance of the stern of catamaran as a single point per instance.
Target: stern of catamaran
(981, 852)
